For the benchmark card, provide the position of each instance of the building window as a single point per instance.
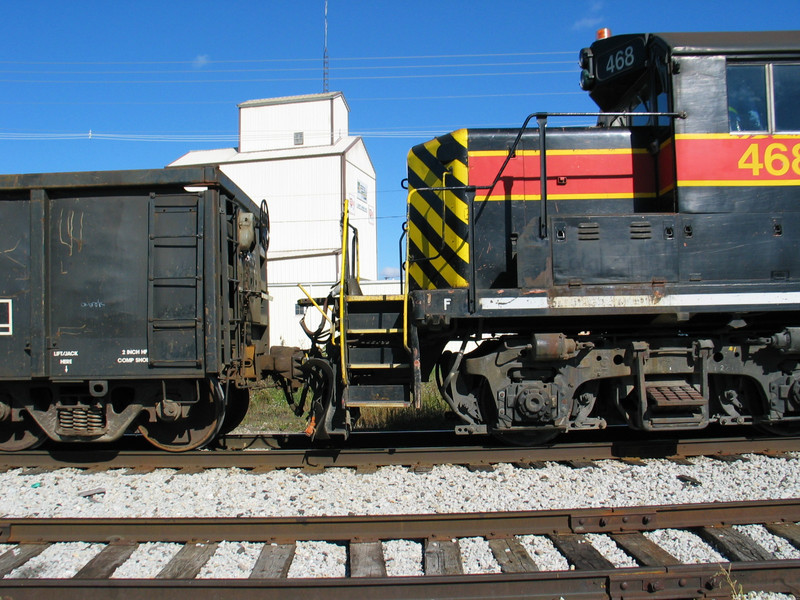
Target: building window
(298, 138)
(299, 311)
(763, 97)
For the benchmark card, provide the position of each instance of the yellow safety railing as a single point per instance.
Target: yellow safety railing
(342, 293)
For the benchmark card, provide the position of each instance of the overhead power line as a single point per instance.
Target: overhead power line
(284, 79)
(276, 60)
(211, 137)
(300, 69)
(351, 99)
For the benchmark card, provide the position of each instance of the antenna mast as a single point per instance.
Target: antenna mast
(325, 53)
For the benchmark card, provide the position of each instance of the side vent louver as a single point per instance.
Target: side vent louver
(641, 230)
(588, 231)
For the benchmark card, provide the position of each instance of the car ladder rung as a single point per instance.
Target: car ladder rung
(376, 366)
(377, 331)
(378, 404)
(377, 298)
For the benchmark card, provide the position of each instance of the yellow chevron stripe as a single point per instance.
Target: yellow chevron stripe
(430, 178)
(415, 272)
(453, 203)
(451, 238)
(433, 146)
(460, 170)
(439, 263)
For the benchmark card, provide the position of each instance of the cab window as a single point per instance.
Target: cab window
(763, 97)
(747, 98)
(787, 93)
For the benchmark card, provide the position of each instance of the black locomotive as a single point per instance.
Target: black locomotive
(643, 271)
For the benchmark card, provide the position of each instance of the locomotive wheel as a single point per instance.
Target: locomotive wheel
(238, 401)
(21, 436)
(780, 429)
(198, 428)
(524, 438)
(511, 438)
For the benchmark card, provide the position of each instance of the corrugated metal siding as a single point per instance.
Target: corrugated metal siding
(304, 206)
(317, 269)
(341, 119)
(272, 127)
(360, 192)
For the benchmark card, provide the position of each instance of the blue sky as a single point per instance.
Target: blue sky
(154, 80)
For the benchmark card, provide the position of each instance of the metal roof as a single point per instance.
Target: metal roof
(732, 42)
(293, 100)
(223, 156)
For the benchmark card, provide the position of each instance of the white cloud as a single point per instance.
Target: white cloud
(587, 23)
(200, 61)
(390, 273)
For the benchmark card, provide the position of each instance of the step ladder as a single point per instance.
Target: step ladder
(378, 367)
(175, 281)
(379, 351)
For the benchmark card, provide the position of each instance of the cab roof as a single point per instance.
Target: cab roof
(732, 42)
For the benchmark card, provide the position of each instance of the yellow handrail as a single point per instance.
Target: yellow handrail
(342, 292)
(314, 302)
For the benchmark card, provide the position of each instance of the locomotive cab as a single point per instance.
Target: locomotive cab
(643, 271)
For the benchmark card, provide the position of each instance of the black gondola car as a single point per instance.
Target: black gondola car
(644, 271)
(129, 299)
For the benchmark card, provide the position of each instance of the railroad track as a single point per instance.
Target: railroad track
(255, 452)
(657, 574)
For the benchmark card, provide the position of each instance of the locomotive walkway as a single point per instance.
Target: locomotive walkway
(658, 574)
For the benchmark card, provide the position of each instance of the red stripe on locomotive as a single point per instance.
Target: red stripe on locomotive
(575, 174)
(738, 160)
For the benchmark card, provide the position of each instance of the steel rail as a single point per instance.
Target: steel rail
(376, 527)
(677, 582)
(653, 581)
(407, 456)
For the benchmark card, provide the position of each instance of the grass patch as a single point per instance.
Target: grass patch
(269, 412)
(431, 415)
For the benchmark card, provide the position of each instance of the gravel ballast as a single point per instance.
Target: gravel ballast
(390, 490)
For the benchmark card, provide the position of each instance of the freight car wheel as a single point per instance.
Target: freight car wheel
(21, 436)
(238, 401)
(194, 430)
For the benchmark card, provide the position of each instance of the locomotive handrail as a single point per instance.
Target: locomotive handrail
(541, 120)
(545, 115)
